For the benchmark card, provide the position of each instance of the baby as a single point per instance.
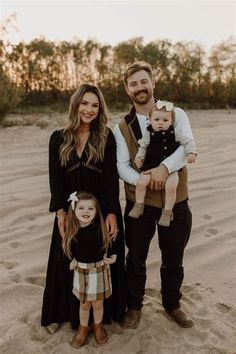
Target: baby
(159, 141)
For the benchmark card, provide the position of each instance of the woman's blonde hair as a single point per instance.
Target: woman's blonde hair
(72, 224)
(98, 128)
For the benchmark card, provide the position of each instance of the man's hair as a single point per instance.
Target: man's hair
(135, 67)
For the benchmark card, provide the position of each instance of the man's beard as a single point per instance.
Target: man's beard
(145, 99)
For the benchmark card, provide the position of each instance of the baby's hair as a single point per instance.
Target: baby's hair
(163, 109)
(72, 225)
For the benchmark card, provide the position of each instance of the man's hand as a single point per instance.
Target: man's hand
(139, 162)
(159, 176)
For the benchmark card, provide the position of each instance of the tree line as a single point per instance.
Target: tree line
(44, 73)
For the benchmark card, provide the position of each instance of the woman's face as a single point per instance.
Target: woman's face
(88, 108)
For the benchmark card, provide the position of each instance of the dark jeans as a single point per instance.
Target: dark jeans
(172, 242)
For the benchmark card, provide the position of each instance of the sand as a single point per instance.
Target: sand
(209, 289)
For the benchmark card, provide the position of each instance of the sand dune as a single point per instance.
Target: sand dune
(209, 289)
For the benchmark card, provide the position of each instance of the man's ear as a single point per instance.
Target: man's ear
(153, 83)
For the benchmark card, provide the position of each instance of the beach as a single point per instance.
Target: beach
(209, 287)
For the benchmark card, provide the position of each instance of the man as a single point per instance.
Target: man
(139, 85)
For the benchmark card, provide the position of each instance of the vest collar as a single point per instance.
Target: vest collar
(132, 121)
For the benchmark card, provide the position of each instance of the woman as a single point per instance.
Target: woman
(82, 157)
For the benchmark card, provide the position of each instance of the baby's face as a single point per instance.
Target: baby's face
(160, 120)
(85, 212)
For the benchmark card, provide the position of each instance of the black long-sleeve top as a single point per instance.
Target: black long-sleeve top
(87, 245)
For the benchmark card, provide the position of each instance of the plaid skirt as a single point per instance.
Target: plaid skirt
(92, 281)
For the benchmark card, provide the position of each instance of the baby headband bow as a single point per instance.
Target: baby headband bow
(168, 105)
(73, 198)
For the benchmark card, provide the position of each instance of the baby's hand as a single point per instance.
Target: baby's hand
(139, 162)
(110, 260)
(191, 157)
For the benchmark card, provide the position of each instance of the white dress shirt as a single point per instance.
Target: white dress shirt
(173, 162)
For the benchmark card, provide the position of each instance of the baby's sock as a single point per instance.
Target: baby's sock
(137, 210)
(166, 218)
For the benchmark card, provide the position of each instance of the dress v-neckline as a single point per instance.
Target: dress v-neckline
(83, 150)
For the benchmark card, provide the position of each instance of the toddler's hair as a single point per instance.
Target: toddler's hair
(163, 109)
(72, 224)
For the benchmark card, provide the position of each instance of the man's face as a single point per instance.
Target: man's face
(140, 87)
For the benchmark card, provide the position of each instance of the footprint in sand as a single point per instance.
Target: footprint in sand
(14, 244)
(207, 217)
(30, 217)
(35, 280)
(14, 277)
(211, 231)
(10, 265)
(30, 228)
(223, 308)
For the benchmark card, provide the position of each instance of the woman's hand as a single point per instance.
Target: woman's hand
(111, 224)
(61, 221)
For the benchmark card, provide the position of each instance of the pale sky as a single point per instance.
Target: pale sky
(110, 22)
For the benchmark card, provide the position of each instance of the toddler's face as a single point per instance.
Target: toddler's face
(85, 212)
(160, 120)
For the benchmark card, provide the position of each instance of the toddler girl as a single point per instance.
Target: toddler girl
(86, 241)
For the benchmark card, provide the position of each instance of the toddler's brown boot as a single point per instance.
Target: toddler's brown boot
(100, 333)
(80, 338)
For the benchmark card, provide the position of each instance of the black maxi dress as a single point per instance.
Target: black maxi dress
(101, 179)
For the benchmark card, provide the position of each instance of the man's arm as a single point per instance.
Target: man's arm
(126, 172)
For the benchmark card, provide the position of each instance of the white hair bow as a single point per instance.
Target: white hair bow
(73, 198)
(168, 105)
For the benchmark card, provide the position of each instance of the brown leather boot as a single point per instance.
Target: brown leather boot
(131, 319)
(181, 318)
(100, 333)
(80, 338)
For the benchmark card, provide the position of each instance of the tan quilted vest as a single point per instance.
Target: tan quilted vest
(153, 198)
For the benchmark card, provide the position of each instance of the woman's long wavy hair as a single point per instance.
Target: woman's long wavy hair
(72, 225)
(98, 128)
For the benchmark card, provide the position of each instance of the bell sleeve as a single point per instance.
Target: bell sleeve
(56, 173)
